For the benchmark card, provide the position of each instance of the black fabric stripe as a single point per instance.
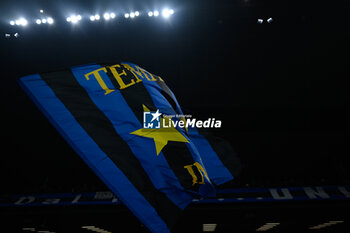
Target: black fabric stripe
(176, 153)
(100, 129)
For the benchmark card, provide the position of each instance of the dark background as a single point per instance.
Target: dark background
(280, 88)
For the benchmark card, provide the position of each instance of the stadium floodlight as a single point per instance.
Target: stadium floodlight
(43, 20)
(137, 13)
(106, 16)
(112, 15)
(68, 19)
(97, 17)
(23, 22)
(171, 11)
(132, 15)
(79, 17)
(74, 19)
(41, 11)
(12, 22)
(38, 21)
(150, 13)
(156, 13)
(166, 13)
(126, 15)
(18, 22)
(50, 20)
(92, 18)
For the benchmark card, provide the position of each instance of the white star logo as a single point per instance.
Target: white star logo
(156, 115)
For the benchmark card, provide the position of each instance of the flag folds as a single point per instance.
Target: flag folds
(156, 172)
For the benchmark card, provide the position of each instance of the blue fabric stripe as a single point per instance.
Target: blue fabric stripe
(88, 150)
(124, 121)
(217, 171)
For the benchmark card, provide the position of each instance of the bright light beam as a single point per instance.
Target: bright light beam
(23, 22)
(50, 20)
(166, 13)
(74, 19)
(106, 16)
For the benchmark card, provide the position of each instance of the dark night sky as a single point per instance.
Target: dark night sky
(279, 88)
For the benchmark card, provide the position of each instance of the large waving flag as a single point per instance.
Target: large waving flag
(101, 111)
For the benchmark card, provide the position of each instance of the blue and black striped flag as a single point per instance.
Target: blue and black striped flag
(102, 112)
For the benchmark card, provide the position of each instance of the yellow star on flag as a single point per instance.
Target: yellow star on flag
(162, 135)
